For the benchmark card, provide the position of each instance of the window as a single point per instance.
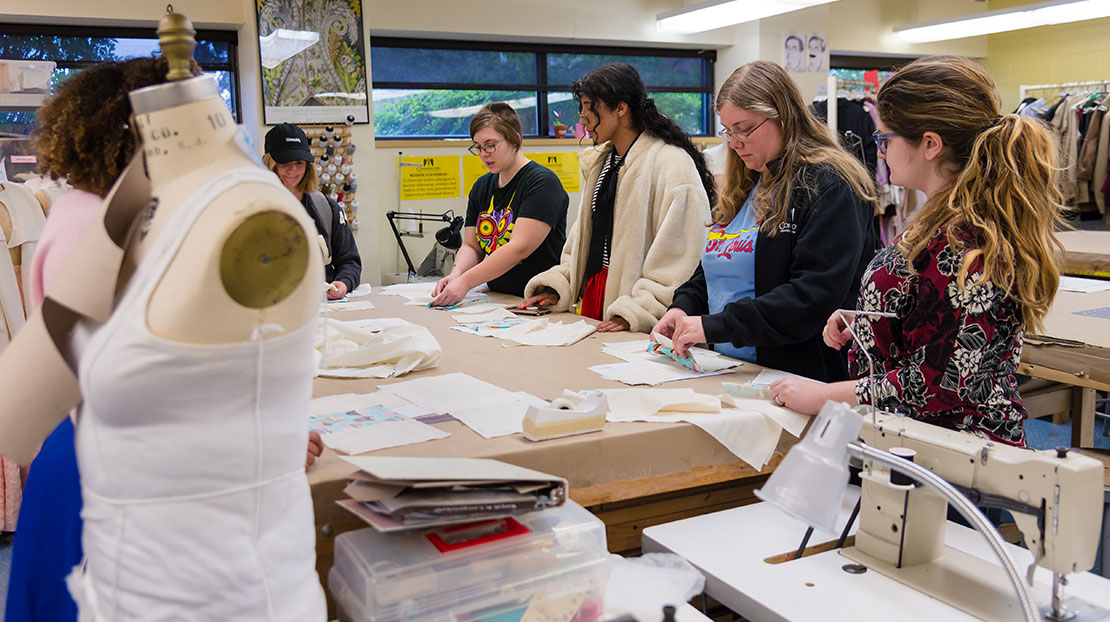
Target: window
(75, 48)
(426, 88)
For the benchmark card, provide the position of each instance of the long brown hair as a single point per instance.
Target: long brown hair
(765, 88)
(1007, 191)
(309, 183)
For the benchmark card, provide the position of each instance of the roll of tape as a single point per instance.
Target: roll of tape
(562, 403)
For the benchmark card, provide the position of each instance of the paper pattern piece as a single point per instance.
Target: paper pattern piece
(486, 408)
(1076, 284)
(748, 434)
(494, 328)
(499, 419)
(765, 377)
(543, 332)
(642, 367)
(360, 305)
(377, 348)
(474, 309)
(409, 290)
(369, 429)
(490, 317)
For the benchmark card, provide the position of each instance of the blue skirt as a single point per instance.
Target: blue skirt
(47, 542)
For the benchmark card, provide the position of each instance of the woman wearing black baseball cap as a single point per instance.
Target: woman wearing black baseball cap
(288, 156)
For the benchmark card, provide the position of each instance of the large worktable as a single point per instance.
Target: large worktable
(1086, 253)
(1071, 357)
(631, 475)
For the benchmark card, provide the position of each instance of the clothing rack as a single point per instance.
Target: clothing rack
(1025, 88)
(835, 84)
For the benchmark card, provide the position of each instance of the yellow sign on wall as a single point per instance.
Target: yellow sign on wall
(429, 177)
(473, 168)
(564, 164)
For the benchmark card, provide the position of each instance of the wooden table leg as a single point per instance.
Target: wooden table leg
(1083, 417)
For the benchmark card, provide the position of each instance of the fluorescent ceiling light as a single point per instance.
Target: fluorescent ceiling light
(720, 13)
(281, 45)
(1002, 20)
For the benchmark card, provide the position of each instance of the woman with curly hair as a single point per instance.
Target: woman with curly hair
(645, 202)
(944, 310)
(84, 137)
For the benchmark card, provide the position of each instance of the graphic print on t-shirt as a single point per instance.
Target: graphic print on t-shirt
(725, 243)
(495, 226)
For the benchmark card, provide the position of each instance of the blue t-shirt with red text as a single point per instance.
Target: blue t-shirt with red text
(729, 265)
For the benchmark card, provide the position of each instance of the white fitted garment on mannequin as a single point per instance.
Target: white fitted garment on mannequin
(196, 505)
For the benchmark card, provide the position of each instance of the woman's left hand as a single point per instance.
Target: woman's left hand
(614, 324)
(315, 448)
(452, 294)
(800, 395)
(688, 331)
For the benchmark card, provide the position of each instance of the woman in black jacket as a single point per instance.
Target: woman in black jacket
(791, 234)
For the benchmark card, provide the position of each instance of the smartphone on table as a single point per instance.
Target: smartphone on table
(532, 311)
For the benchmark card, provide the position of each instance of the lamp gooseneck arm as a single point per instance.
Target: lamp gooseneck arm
(965, 507)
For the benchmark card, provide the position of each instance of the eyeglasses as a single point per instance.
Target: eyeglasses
(742, 136)
(486, 148)
(882, 140)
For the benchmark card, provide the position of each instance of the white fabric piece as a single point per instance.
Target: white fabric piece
(409, 290)
(448, 393)
(499, 419)
(793, 422)
(196, 505)
(494, 328)
(375, 348)
(747, 434)
(640, 586)
(765, 377)
(361, 305)
(361, 290)
(631, 404)
(543, 332)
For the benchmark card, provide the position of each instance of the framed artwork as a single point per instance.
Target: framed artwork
(793, 52)
(313, 56)
(817, 52)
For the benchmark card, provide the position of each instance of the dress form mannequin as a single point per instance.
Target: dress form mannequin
(190, 436)
(193, 302)
(244, 265)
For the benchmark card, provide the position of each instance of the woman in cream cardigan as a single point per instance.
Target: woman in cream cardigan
(645, 205)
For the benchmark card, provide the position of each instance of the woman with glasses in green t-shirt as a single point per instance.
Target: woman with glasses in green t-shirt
(516, 215)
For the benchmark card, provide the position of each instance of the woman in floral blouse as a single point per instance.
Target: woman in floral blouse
(974, 269)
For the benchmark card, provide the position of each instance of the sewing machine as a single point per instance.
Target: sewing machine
(1055, 497)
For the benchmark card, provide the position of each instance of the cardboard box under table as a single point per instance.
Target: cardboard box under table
(630, 475)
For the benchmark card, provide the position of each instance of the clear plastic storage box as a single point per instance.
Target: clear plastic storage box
(488, 571)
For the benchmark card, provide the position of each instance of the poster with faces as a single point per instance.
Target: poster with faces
(817, 53)
(794, 52)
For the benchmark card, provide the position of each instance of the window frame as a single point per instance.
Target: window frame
(541, 87)
(230, 37)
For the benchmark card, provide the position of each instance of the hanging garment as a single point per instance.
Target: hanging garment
(1066, 122)
(1100, 178)
(196, 505)
(27, 223)
(855, 126)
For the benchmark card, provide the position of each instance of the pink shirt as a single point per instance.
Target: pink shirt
(70, 214)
